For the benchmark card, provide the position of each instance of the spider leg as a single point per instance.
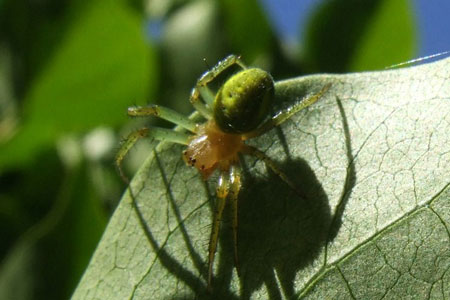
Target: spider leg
(235, 179)
(201, 89)
(221, 66)
(160, 134)
(207, 95)
(272, 165)
(163, 113)
(222, 193)
(204, 110)
(286, 114)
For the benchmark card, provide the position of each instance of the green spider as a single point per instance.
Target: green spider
(239, 111)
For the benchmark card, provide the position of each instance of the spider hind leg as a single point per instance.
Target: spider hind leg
(222, 190)
(235, 179)
(229, 185)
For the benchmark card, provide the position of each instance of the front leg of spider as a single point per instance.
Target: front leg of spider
(202, 91)
(238, 111)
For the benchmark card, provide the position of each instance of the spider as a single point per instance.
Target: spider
(240, 110)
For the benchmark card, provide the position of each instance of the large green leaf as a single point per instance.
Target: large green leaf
(63, 239)
(358, 35)
(257, 39)
(372, 158)
(101, 65)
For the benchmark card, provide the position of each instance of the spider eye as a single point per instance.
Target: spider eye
(244, 101)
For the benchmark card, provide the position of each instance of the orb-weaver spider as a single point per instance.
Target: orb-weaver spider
(239, 111)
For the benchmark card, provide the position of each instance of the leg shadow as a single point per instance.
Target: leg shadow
(280, 233)
(350, 178)
(173, 265)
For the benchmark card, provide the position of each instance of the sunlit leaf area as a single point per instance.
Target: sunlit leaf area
(371, 158)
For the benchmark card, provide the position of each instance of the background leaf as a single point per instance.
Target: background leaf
(372, 157)
(352, 35)
(247, 15)
(110, 65)
(57, 246)
(67, 67)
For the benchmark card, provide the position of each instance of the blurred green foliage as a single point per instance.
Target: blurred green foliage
(68, 68)
(360, 35)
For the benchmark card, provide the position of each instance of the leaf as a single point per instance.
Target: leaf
(101, 65)
(62, 239)
(355, 35)
(372, 158)
(257, 39)
(381, 46)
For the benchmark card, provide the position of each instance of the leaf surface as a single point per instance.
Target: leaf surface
(372, 159)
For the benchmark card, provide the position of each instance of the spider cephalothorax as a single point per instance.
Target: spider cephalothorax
(240, 110)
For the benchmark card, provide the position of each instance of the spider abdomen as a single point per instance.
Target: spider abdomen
(212, 148)
(244, 101)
